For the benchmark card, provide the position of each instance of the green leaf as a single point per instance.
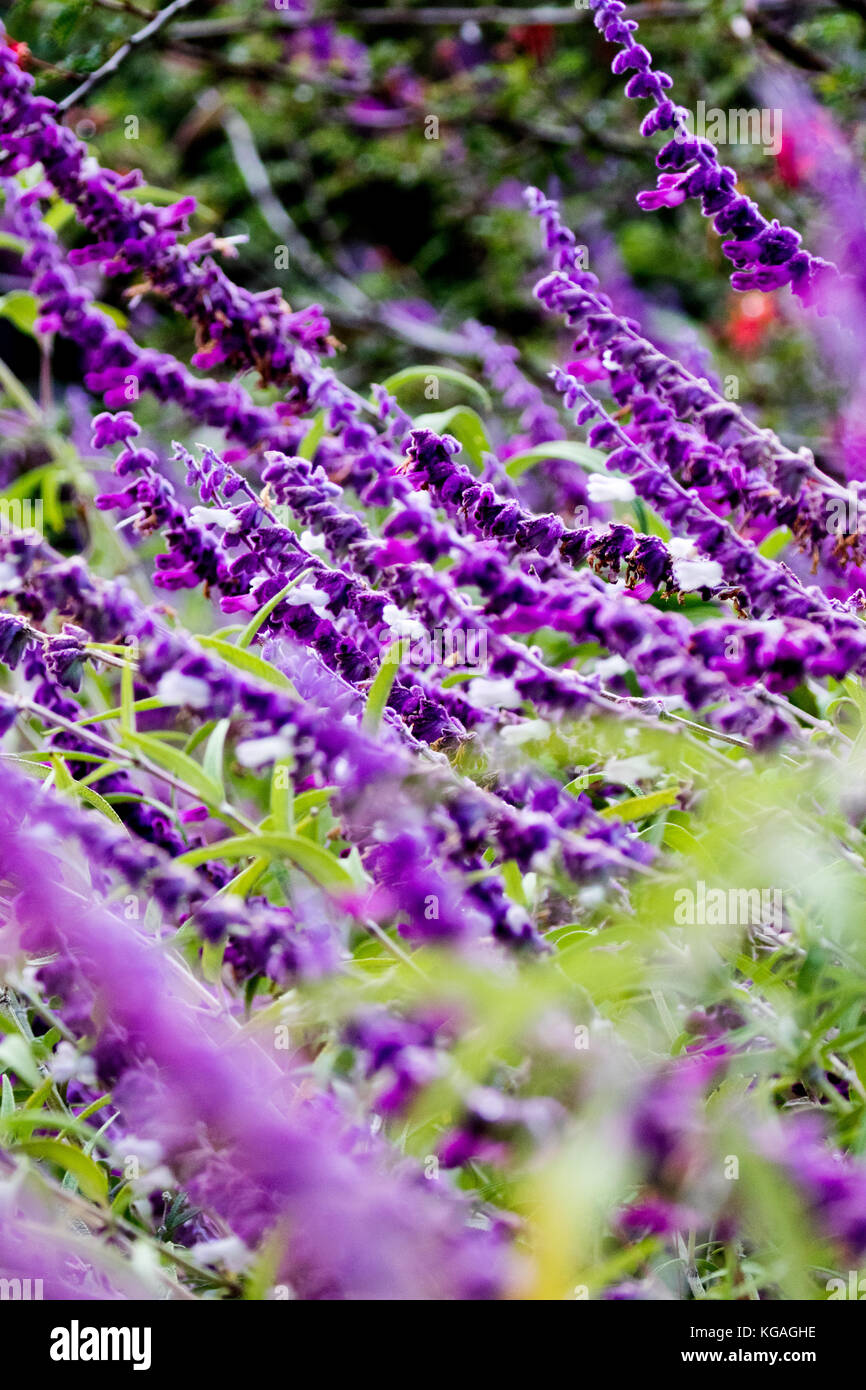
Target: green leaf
(59, 214)
(98, 802)
(177, 763)
(513, 880)
(282, 795)
(87, 1173)
(7, 1099)
(569, 451)
(38, 1097)
(581, 783)
(264, 612)
(683, 841)
(314, 861)
(10, 242)
(65, 782)
(127, 701)
(244, 882)
(214, 753)
(305, 802)
(775, 543)
(212, 954)
(636, 807)
(466, 426)
(383, 683)
(160, 197)
(15, 1055)
(117, 316)
(249, 663)
(310, 441)
(63, 778)
(121, 1200)
(21, 308)
(411, 375)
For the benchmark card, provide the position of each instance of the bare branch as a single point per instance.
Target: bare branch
(450, 15)
(142, 36)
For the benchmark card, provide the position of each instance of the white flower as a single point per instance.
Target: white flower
(402, 624)
(68, 1064)
(306, 593)
(257, 752)
(230, 1250)
(9, 579)
(177, 689)
(490, 693)
(149, 1152)
(216, 516)
(516, 734)
(697, 574)
(691, 571)
(604, 488)
(313, 543)
(682, 548)
(611, 666)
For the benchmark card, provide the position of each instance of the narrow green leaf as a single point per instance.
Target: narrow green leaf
(248, 662)
(775, 543)
(87, 1173)
(212, 953)
(245, 881)
(264, 612)
(121, 1200)
(63, 778)
(37, 1098)
(383, 683)
(98, 802)
(314, 861)
(177, 763)
(305, 802)
(117, 316)
(419, 375)
(15, 1055)
(636, 807)
(127, 698)
(311, 440)
(214, 754)
(568, 450)
(7, 1098)
(10, 242)
(282, 795)
(21, 308)
(466, 426)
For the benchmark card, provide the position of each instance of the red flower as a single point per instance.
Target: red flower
(750, 317)
(536, 39)
(21, 51)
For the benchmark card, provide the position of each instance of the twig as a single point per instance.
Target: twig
(117, 58)
(444, 15)
(124, 7)
(354, 305)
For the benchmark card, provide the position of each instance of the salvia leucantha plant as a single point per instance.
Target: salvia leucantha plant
(432, 859)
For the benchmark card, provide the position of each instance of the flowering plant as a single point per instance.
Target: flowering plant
(432, 854)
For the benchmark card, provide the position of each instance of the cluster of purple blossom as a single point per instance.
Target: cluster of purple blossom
(407, 815)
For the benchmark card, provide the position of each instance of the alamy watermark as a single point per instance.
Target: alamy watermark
(21, 1290)
(731, 907)
(22, 515)
(738, 126)
(77, 1343)
(439, 646)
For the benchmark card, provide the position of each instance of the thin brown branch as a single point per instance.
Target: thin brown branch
(447, 15)
(137, 40)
